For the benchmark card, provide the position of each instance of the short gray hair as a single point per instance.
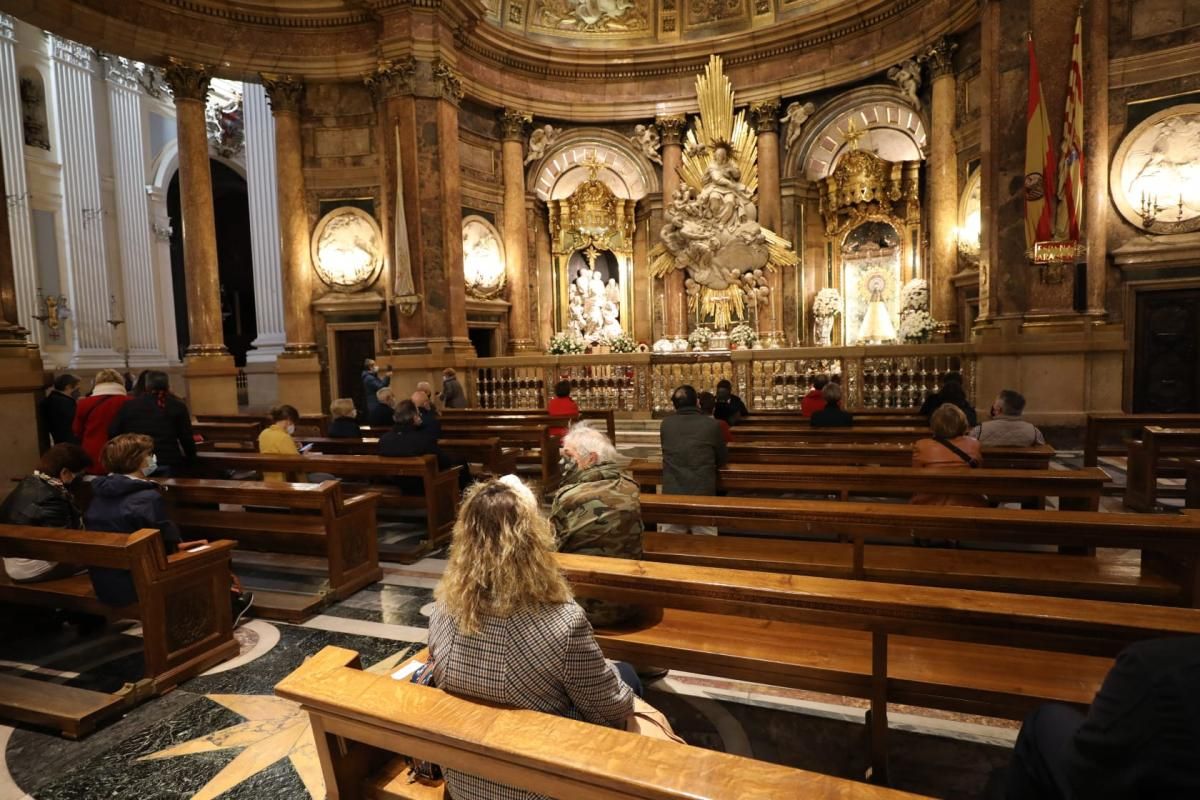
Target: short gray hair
(832, 393)
(1011, 403)
(586, 440)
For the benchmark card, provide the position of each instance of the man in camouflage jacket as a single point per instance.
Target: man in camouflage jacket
(596, 512)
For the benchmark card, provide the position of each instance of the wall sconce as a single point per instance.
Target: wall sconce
(1149, 209)
(55, 312)
(163, 230)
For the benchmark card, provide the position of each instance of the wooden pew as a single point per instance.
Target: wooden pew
(1125, 426)
(533, 442)
(488, 453)
(183, 605)
(954, 649)
(497, 414)
(1170, 546)
(1157, 453)
(320, 522)
(889, 454)
(1077, 490)
(439, 501)
(362, 721)
(309, 424)
(1191, 469)
(796, 419)
(806, 433)
(233, 432)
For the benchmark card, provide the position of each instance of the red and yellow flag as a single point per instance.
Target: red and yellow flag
(1069, 216)
(1039, 160)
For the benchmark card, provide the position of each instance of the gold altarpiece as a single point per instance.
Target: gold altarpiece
(592, 221)
(872, 213)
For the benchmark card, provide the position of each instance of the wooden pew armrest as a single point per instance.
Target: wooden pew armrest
(365, 500)
(213, 552)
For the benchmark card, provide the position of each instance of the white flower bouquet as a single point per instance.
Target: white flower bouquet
(914, 296)
(827, 303)
(699, 338)
(917, 326)
(743, 335)
(563, 344)
(621, 344)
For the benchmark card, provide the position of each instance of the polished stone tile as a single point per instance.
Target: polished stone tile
(391, 604)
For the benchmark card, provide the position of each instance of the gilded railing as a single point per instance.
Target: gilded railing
(890, 376)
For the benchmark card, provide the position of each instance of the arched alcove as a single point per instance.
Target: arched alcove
(628, 173)
(34, 123)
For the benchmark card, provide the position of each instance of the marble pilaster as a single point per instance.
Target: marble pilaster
(943, 182)
(515, 226)
(143, 336)
(264, 233)
(675, 316)
(83, 208)
(766, 120)
(210, 370)
(1096, 153)
(12, 145)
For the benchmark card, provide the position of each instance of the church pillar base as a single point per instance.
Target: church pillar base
(408, 347)
(212, 384)
(299, 380)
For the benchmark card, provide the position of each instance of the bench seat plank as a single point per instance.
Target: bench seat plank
(73, 711)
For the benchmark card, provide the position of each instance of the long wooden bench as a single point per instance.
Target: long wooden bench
(796, 419)
(934, 647)
(309, 424)
(361, 722)
(1170, 546)
(487, 453)
(604, 415)
(808, 434)
(183, 605)
(884, 455)
(1101, 427)
(237, 432)
(1158, 453)
(320, 522)
(366, 473)
(532, 441)
(1077, 490)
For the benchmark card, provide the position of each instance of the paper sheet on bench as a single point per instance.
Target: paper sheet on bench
(407, 670)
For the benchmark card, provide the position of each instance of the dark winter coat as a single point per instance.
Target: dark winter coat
(418, 441)
(344, 428)
(832, 416)
(693, 449)
(452, 394)
(121, 504)
(169, 425)
(372, 383)
(42, 503)
(58, 414)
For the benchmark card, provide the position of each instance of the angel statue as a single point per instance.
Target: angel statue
(711, 225)
(907, 75)
(797, 114)
(540, 141)
(646, 140)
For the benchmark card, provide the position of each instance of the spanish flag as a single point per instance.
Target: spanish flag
(1039, 160)
(1069, 216)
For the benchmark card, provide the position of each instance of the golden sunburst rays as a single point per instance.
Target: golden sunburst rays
(718, 123)
(723, 305)
(274, 729)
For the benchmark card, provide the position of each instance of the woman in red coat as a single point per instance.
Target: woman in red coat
(94, 413)
(561, 405)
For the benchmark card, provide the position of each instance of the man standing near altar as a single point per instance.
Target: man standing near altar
(693, 450)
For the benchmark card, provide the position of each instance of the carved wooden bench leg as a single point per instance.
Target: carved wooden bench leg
(877, 717)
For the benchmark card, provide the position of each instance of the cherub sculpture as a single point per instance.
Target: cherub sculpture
(796, 115)
(647, 141)
(540, 141)
(907, 75)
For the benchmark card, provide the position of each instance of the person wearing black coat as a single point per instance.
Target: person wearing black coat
(58, 410)
(164, 418)
(832, 415)
(372, 383)
(44, 500)
(411, 438)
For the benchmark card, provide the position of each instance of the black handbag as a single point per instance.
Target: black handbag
(424, 770)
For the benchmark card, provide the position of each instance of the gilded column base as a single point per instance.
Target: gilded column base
(206, 351)
(299, 350)
(211, 383)
(299, 380)
(522, 346)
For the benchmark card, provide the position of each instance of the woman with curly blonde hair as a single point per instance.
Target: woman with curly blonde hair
(505, 628)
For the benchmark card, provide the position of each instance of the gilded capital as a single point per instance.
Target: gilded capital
(391, 77)
(188, 81)
(765, 115)
(446, 79)
(283, 93)
(671, 129)
(512, 124)
(940, 57)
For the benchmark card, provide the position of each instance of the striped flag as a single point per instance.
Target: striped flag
(1069, 216)
(1039, 160)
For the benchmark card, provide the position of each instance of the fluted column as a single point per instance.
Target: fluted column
(12, 145)
(210, 371)
(512, 156)
(770, 216)
(943, 184)
(143, 338)
(87, 255)
(264, 233)
(675, 316)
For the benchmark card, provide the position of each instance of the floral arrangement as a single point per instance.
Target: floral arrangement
(914, 296)
(743, 335)
(917, 325)
(827, 303)
(698, 338)
(563, 344)
(622, 343)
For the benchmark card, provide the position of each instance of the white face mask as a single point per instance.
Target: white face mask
(291, 429)
(151, 465)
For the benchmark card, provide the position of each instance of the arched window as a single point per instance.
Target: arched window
(33, 109)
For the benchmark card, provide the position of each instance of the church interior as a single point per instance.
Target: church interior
(746, 267)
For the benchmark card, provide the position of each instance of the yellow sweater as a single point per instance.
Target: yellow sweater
(277, 442)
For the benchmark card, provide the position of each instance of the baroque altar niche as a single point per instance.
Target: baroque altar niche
(872, 214)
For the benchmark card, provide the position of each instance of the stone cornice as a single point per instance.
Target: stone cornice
(121, 72)
(283, 93)
(187, 81)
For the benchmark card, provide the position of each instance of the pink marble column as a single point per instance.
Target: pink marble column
(770, 214)
(675, 316)
(515, 227)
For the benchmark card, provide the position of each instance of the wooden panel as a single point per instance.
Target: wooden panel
(75, 712)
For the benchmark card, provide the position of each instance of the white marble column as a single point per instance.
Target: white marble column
(264, 228)
(87, 270)
(137, 274)
(12, 141)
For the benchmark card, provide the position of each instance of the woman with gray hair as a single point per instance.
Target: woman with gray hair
(596, 511)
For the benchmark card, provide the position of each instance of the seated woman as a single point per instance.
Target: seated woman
(124, 501)
(344, 422)
(949, 449)
(159, 414)
(411, 437)
(380, 415)
(95, 413)
(832, 415)
(276, 438)
(506, 629)
(44, 500)
(561, 405)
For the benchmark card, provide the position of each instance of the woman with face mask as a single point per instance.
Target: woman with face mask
(44, 500)
(277, 438)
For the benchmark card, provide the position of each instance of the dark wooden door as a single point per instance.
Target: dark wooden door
(1167, 352)
(353, 348)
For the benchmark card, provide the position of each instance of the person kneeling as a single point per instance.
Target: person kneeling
(44, 500)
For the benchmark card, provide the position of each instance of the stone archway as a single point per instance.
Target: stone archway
(628, 173)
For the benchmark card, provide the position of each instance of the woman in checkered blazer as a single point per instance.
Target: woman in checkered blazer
(506, 629)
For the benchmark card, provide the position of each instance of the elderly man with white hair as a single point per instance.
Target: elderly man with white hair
(596, 511)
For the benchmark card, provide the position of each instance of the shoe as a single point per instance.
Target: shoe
(652, 674)
(241, 604)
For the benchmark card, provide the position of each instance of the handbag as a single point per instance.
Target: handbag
(421, 770)
(649, 721)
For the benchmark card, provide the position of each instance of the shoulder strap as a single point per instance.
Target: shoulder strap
(969, 460)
